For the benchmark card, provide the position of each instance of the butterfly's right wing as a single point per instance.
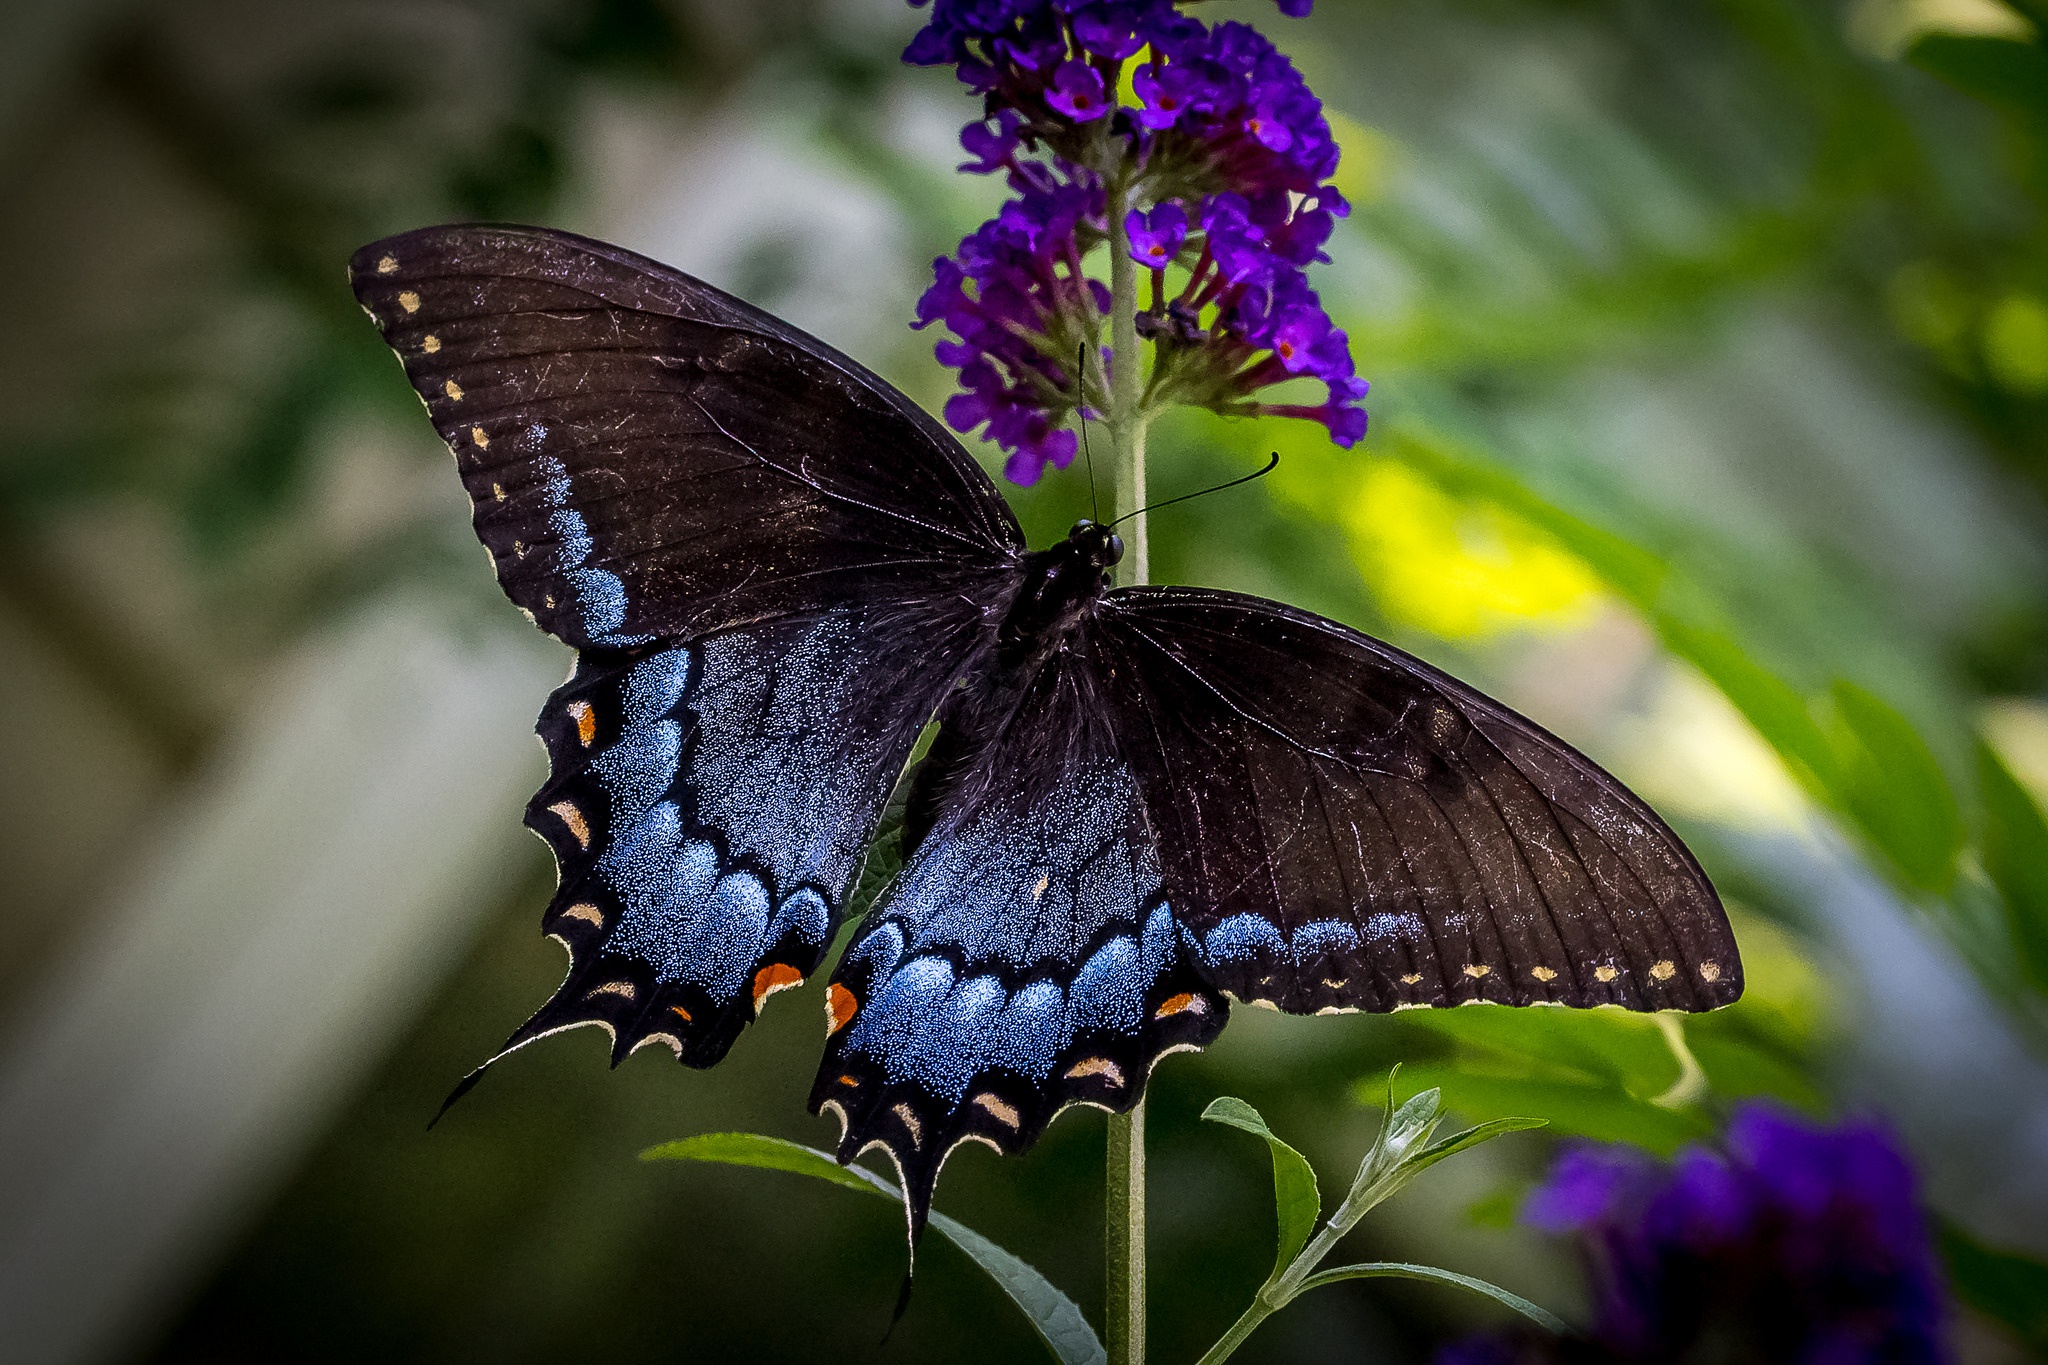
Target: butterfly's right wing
(1345, 827)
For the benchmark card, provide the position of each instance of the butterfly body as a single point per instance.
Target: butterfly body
(1139, 803)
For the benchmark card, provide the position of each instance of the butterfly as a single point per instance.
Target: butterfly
(1138, 804)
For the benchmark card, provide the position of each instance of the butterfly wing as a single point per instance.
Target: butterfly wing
(649, 458)
(1026, 957)
(710, 804)
(773, 567)
(1344, 827)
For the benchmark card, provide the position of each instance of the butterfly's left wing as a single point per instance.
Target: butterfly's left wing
(772, 564)
(1027, 956)
(1345, 827)
(710, 805)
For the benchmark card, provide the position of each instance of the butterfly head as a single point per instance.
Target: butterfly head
(1101, 546)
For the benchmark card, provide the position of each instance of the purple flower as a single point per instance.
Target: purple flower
(1156, 237)
(1077, 91)
(1797, 1242)
(1222, 171)
(1585, 1186)
(1107, 31)
(993, 148)
(1167, 91)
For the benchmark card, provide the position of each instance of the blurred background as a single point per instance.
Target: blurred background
(1709, 342)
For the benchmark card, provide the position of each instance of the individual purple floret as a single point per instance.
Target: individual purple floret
(1796, 1242)
(1221, 172)
(1156, 237)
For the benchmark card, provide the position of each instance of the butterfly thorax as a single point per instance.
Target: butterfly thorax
(1060, 586)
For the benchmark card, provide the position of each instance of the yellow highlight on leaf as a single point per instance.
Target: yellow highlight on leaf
(1461, 569)
(2016, 344)
(1365, 158)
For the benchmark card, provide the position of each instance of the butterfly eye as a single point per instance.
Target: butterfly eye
(1116, 547)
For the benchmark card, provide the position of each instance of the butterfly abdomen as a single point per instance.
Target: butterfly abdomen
(1057, 590)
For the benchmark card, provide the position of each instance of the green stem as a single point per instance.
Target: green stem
(1124, 1236)
(1278, 1291)
(1124, 1212)
(1247, 1323)
(1126, 417)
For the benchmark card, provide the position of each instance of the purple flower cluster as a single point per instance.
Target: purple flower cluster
(1220, 174)
(1796, 1243)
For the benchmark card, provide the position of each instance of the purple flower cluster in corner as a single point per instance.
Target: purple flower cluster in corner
(1795, 1243)
(1217, 163)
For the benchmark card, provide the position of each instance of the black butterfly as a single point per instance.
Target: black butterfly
(776, 569)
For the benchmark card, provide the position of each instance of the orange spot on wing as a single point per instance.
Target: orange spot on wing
(839, 1007)
(1180, 1004)
(586, 722)
(776, 976)
(680, 1013)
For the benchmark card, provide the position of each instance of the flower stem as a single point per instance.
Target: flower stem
(1126, 417)
(1124, 1202)
(1124, 1237)
(1247, 1323)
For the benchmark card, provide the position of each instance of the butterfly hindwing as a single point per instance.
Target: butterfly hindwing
(1345, 827)
(650, 459)
(1026, 957)
(710, 805)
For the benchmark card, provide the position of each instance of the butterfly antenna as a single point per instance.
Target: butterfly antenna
(1081, 416)
(1271, 465)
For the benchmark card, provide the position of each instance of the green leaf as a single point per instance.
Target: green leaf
(2012, 75)
(1589, 1109)
(1592, 1073)
(1407, 1125)
(1052, 1314)
(1400, 1154)
(1471, 1137)
(1894, 788)
(762, 1153)
(1375, 1270)
(2002, 1285)
(2016, 860)
(1774, 707)
(1297, 1202)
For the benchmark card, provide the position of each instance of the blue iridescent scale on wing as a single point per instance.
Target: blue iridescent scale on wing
(710, 806)
(1026, 958)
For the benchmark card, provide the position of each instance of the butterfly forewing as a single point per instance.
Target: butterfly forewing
(1345, 827)
(651, 459)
